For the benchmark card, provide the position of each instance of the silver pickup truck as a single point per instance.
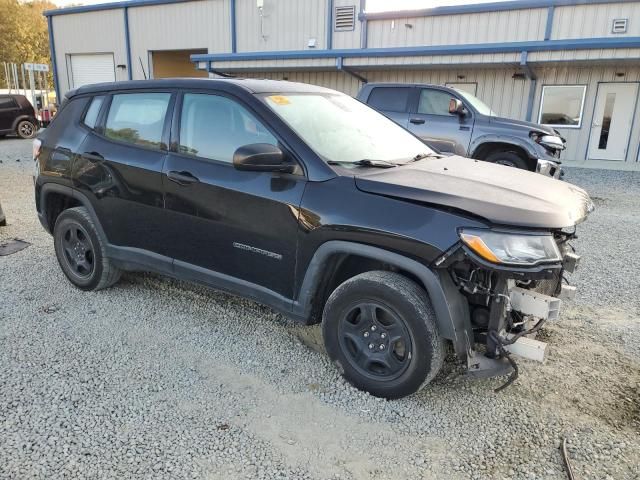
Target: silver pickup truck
(454, 121)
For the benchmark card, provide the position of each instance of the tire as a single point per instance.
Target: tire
(26, 129)
(510, 159)
(373, 309)
(81, 253)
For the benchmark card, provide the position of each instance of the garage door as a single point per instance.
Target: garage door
(95, 68)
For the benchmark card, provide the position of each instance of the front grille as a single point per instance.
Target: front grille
(548, 286)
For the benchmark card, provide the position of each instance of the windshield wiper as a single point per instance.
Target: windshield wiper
(422, 156)
(365, 163)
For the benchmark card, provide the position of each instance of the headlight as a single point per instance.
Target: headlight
(549, 141)
(511, 248)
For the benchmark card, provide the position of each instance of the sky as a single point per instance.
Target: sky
(372, 5)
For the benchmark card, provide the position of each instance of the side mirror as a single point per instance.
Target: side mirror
(261, 157)
(456, 107)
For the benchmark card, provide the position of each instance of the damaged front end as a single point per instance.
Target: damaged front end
(513, 282)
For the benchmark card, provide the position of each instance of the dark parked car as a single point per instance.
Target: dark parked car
(454, 121)
(17, 116)
(308, 201)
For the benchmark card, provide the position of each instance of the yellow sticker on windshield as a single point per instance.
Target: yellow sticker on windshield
(279, 99)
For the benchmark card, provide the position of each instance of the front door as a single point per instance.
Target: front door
(613, 115)
(224, 221)
(433, 123)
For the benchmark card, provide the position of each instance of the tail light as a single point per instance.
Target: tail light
(37, 144)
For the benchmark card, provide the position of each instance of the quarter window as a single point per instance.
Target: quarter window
(137, 118)
(434, 102)
(7, 102)
(91, 117)
(562, 105)
(389, 99)
(214, 127)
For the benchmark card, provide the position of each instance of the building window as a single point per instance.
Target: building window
(562, 105)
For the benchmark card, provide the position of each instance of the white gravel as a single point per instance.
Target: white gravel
(160, 379)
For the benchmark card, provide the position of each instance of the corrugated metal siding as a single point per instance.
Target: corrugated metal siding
(336, 80)
(485, 59)
(180, 26)
(286, 24)
(584, 21)
(279, 64)
(601, 55)
(90, 32)
(491, 27)
(577, 139)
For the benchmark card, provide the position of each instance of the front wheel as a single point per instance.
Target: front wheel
(509, 159)
(380, 330)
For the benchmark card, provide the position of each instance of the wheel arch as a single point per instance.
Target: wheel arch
(20, 118)
(451, 308)
(485, 146)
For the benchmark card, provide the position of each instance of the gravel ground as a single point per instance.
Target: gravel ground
(156, 378)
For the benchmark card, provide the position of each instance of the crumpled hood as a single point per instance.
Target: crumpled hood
(524, 125)
(503, 195)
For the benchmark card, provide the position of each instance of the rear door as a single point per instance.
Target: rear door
(431, 121)
(8, 112)
(119, 166)
(236, 223)
(392, 101)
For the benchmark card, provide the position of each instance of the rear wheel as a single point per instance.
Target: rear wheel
(379, 329)
(509, 159)
(80, 252)
(26, 129)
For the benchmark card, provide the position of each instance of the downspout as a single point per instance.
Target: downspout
(234, 46)
(329, 24)
(363, 24)
(54, 64)
(127, 42)
(533, 82)
(341, 68)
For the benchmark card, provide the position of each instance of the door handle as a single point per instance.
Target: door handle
(417, 121)
(93, 156)
(182, 178)
(466, 129)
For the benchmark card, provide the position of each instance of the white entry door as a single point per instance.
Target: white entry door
(612, 118)
(92, 68)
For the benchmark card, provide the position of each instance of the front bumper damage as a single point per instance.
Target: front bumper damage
(506, 309)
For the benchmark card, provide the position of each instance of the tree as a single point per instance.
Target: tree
(24, 37)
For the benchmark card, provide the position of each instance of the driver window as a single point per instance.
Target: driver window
(214, 127)
(434, 102)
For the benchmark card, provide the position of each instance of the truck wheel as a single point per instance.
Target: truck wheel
(26, 129)
(380, 330)
(80, 252)
(510, 159)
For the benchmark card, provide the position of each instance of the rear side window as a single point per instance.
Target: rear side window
(91, 117)
(434, 102)
(390, 99)
(7, 102)
(137, 118)
(214, 127)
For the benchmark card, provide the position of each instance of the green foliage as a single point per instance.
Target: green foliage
(23, 34)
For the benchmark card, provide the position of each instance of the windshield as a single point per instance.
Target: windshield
(341, 129)
(481, 107)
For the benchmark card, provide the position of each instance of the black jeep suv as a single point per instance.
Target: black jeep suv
(308, 201)
(17, 116)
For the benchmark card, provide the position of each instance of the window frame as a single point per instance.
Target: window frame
(100, 127)
(407, 107)
(177, 119)
(540, 106)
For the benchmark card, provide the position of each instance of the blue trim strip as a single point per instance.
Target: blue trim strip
(452, 10)
(549, 27)
(535, 46)
(54, 64)
(483, 8)
(234, 46)
(110, 6)
(127, 42)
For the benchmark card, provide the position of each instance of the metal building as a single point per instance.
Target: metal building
(574, 64)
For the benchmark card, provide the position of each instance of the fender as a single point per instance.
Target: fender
(24, 117)
(451, 307)
(509, 140)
